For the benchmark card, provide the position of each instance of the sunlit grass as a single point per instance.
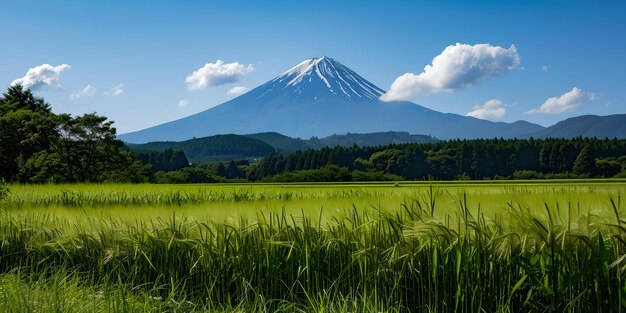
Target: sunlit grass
(497, 247)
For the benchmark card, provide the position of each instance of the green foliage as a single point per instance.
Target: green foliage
(27, 126)
(608, 167)
(331, 173)
(4, 190)
(467, 159)
(584, 164)
(166, 160)
(527, 174)
(186, 175)
(38, 146)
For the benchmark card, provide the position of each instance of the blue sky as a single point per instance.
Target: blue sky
(147, 49)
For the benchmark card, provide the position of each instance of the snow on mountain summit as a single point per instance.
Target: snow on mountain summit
(323, 76)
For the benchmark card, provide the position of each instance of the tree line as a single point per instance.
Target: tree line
(39, 146)
(462, 159)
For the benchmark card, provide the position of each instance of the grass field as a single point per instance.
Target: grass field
(494, 246)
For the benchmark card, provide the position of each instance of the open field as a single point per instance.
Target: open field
(405, 247)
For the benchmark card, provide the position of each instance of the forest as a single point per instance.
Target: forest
(463, 159)
(445, 160)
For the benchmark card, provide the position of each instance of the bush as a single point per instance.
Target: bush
(185, 176)
(527, 174)
(330, 173)
(375, 176)
(608, 167)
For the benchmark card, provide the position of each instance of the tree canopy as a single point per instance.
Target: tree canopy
(37, 145)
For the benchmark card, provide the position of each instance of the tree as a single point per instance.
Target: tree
(18, 98)
(89, 151)
(584, 164)
(27, 126)
(233, 171)
(221, 170)
(608, 167)
(37, 145)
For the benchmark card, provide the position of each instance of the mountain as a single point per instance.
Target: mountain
(281, 142)
(285, 143)
(320, 97)
(610, 126)
(212, 148)
(372, 139)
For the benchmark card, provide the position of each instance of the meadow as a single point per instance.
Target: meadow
(491, 246)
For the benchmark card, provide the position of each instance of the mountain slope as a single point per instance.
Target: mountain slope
(320, 97)
(281, 142)
(212, 148)
(611, 126)
(284, 143)
(372, 139)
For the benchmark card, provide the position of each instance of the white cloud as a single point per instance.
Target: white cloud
(491, 110)
(183, 103)
(116, 91)
(215, 74)
(545, 68)
(457, 67)
(566, 102)
(237, 90)
(88, 91)
(41, 75)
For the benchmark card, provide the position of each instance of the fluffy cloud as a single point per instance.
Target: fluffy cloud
(116, 91)
(237, 90)
(88, 91)
(215, 74)
(457, 67)
(183, 103)
(42, 75)
(491, 110)
(566, 102)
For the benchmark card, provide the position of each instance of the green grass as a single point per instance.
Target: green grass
(407, 247)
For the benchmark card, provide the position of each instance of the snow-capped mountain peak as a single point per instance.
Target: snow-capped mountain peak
(323, 75)
(320, 97)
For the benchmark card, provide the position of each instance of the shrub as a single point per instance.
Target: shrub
(526, 174)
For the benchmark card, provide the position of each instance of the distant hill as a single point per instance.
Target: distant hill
(610, 126)
(229, 147)
(372, 139)
(285, 143)
(281, 142)
(212, 148)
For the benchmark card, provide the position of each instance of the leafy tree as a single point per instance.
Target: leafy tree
(233, 171)
(18, 98)
(608, 167)
(26, 127)
(584, 164)
(87, 147)
(39, 146)
(167, 160)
